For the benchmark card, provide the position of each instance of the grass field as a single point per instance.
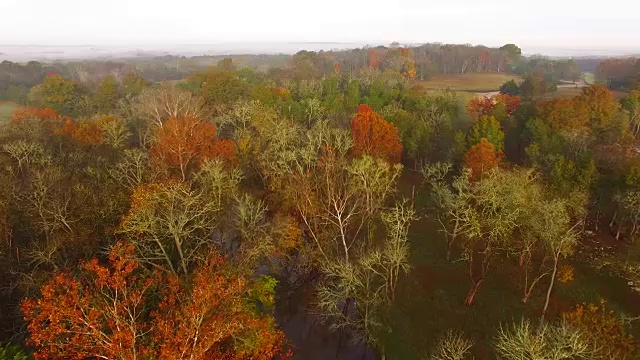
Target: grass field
(6, 111)
(429, 301)
(476, 82)
(567, 92)
(590, 78)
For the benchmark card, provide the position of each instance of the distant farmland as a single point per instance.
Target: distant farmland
(476, 82)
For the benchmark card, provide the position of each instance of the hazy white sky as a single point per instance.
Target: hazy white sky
(566, 23)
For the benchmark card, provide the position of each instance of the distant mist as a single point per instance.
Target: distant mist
(80, 52)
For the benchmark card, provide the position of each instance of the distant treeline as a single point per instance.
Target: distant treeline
(619, 73)
(420, 63)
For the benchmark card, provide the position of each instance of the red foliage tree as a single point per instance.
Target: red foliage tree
(373, 135)
(110, 312)
(184, 143)
(481, 158)
(487, 106)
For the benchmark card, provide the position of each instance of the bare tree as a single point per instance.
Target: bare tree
(545, 342)
(168, 101)
(171, 225)
(356, 295)
(133, 169)
(452, 346)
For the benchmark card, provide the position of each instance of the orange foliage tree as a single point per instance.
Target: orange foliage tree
(481, 158)
(185, 142)
(601, 105)
(606, 332)
(111, 312)
(83, 132)
(374, 59)
(98, 316)
(206, 319)
(564, 114)
(88, 132)
(488, 106)
(373, 135)
(27, 113)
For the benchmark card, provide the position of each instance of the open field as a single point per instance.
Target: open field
(476, 82)
(430, 299)
(589, 78)
(6, 111)
(567, 92)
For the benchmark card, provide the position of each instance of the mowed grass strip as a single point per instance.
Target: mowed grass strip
(476, 82)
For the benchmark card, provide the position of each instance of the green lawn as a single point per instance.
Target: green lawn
(6, 111)
(475, 82)
(590, 78)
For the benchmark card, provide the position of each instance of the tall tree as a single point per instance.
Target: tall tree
(106, 96)
(111, 312)
(57, 93)
(487, 127)
(482, 158)
(185, 143)
(373, 135)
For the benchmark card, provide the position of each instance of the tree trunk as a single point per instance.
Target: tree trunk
(613, 220)
(449, 244)
(553, 279)
(451, 238)
(473, 291)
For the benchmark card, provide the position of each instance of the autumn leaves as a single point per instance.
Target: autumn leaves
(374, 136)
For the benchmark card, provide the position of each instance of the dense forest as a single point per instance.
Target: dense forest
(320, 205)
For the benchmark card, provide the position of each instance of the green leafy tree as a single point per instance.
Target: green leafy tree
(57, 93)
(133, 84)
(106, 96)
(631, 103)
(510, 88)
(352, 96)
(10, 351)
(487, 127)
